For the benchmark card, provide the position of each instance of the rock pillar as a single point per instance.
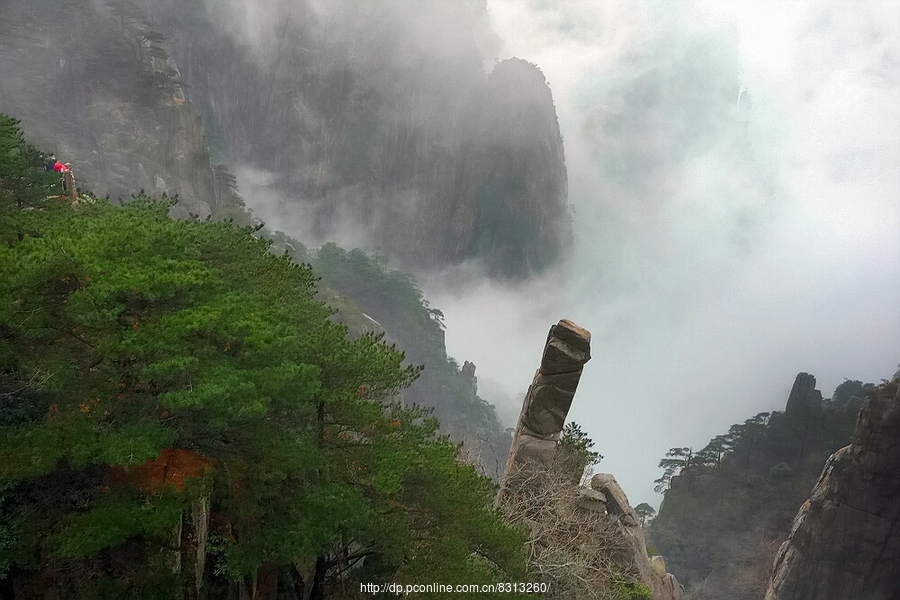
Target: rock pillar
(804, 396)
(548, 399)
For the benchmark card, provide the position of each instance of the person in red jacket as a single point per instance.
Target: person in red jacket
(62, 169)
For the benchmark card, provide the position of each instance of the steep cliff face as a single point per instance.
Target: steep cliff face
(357, 117)
(845, 542)
(369, 117)
(518, 217)
(99, 91)
(731, 505)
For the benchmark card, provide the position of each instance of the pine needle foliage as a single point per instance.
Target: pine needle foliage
(125, 334)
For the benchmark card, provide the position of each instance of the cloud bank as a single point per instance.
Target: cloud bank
(722, 244)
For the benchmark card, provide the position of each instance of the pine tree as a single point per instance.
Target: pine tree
(150, 364)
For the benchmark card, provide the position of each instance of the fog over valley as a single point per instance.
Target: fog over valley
(342, 299)
(734, 189)
(707, 280)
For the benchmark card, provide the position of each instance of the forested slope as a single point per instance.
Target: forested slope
(370, 296)
(728, 506)
(175, 401)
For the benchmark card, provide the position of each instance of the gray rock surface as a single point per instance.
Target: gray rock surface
(804, 395)
(617, 504)
(665, 586)
(620, 510)
(439, 165)
(548, 399)
(534, 445)
(111, 119)
(845, 542)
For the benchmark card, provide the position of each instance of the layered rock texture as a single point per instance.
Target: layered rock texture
(547, 402)
(101, 92)
(845, 542)
(592, 531)
(364, 123)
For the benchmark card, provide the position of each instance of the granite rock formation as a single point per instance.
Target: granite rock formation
(845, 542)
(652, 572)
(118, 115)
(359, 115)
(665, 585)
(804, 396)
(341, 115)
(513, 212)
(603, 506)
(547, 402)
(619, 510)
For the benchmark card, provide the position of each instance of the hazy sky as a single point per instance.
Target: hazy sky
(708, 282)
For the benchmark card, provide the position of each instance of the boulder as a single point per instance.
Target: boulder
(591, 500)
(620, 510)
(665, 586)
(617, 504)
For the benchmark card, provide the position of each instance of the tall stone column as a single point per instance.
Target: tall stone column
(547, 402)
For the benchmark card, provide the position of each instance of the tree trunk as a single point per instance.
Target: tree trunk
(318, 585)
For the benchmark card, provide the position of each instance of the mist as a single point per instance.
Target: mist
(735, 194)
(720, 248)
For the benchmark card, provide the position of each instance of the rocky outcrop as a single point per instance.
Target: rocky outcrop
(530, 487)
(724, 517)
(355, 118)
(340, 118)
(665, 585)
(468, 370)
(82, 91)
(652, 572)
(547, 402)
(514, 213)
(845, 542)
(804, 397)
(619, 509)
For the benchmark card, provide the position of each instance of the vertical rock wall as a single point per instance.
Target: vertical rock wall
(370, 118)
(845, 542)
(71, 74)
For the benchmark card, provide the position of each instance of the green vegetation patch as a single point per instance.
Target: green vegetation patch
(153, 367)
